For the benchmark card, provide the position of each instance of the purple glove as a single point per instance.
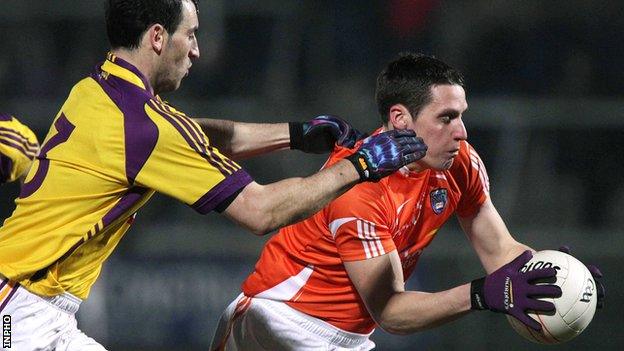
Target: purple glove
(384, 153)
(319, 134)
(596, 273)
(510, 291)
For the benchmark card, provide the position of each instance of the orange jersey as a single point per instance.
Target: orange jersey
(303, 264)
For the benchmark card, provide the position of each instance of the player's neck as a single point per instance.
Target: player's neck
(142, 62)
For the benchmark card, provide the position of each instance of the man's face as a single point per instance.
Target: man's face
(440, 125)
(179, 49)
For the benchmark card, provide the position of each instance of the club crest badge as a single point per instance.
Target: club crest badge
(438, 199)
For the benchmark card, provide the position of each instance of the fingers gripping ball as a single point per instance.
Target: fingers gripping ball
(596, 274)
(508, 290)
(575, 308)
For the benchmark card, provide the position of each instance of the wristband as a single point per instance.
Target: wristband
(361, 166)
(477, 299)
(296, 135)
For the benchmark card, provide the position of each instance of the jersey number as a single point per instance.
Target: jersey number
(64, 129)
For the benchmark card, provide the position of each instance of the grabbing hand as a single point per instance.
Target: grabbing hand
(384, 153)
(319, 134)
(596, 274)
(510, 291)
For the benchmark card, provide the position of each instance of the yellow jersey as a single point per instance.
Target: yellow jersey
(111, 146)
(18, 147)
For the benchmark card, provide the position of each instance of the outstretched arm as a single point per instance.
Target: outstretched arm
(240, 140)
(262, 209)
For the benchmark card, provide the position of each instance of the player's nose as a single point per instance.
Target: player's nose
(460, 133)
(194, 52)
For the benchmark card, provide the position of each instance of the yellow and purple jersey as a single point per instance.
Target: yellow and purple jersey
(111, 146)
(18, 147)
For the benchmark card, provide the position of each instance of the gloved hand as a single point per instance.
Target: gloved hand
(510, 291)
(596, 273)
(384, 153)
(319, 134)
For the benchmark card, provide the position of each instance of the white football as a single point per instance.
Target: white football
(574, 309)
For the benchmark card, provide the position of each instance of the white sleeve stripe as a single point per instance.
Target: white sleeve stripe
(484, 179)
(370, 241)
(361, 236)
(378, 242)
(368, 233)
(477, 164)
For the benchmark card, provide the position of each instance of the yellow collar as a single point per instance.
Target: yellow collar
(124, 70)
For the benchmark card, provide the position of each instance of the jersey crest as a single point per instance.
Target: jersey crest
(438, 199)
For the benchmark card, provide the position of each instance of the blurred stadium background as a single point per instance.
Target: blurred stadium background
(545, 87)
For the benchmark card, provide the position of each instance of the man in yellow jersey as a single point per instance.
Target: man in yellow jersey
(18, 147)
(114, 143)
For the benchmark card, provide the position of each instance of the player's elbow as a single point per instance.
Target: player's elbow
(264, 221)
(251, 211)
(392, 327)
(398, 323)
(262, 228)
(259, 222)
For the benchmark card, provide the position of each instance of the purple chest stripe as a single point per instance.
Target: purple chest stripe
(140, 132)
(190, 141)
(127, 201)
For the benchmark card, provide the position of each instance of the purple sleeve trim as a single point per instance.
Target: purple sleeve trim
(20, 148)
(15, 135)
(222, 191)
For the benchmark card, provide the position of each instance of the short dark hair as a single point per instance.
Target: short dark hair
(408, 79)
(127, 20)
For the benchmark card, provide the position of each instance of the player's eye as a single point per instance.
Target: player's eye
(445, 119)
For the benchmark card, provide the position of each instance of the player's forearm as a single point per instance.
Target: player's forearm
(291, 200)
(490, 237)
(240, 140)
(507, 252)
(413, 311)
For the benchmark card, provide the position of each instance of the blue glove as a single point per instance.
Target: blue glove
(510, 291)
(319, 134)
(596, 274)
(384, 153)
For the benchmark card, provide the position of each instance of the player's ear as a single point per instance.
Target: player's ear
(156, 34)
(399, 116)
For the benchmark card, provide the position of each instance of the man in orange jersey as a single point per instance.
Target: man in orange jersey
(325, 283)
(114, 143)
